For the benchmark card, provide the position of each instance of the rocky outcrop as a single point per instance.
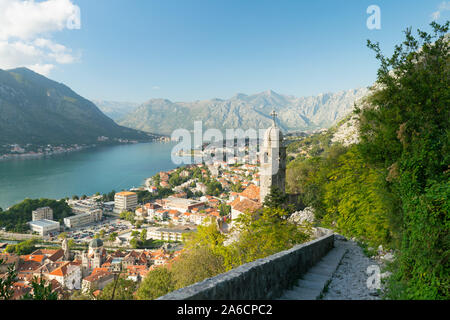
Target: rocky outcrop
(302, 217)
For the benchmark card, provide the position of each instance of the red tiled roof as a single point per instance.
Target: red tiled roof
(95, 276)
(96, 293)
(29, 265)
(45, 252)
(9, 258)
(56, 255)
(252, 192)
(246, 205)
(62, 271)
(37, 258)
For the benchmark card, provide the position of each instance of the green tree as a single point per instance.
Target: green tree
(143, 235)
(262, 234)
(134, 243)
(135, 233)
(71, 243)
(7, 281)
(214, 188)
(113, 236)
(22, 248)
(237, 187)
(16, 218)
(224, 209)
(62, 235)
(124, 290)
(195, 265)
(404, 130)
(80, 295)
(356, 202)
(278, 199)
(41, 291)
(156, 283)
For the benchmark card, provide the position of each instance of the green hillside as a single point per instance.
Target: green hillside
(37, 110)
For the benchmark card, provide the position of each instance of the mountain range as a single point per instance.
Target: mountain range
(116, 110)
(37, 110)
(245, 111)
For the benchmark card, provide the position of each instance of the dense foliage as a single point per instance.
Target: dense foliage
(406, 132)
(208, 253)
(122, 289)
(41, 290)
(144, 196)
(22, 248)
(392, 188)
(7, 281)
(15, 219)
(157, 283)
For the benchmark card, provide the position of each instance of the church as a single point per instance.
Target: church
(272, 160)
(272, 172)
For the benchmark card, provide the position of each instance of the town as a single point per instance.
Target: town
(132, 233)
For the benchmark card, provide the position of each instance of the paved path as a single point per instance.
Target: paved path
(340, 275)
(349, 282)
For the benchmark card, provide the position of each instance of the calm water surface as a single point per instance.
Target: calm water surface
(85, 172)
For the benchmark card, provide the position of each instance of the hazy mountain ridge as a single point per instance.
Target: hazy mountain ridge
(37, 110)
(115, 109)
(245, 111)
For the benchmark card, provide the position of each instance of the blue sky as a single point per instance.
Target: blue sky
(185, 50)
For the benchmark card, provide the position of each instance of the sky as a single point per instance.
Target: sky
(186, 50)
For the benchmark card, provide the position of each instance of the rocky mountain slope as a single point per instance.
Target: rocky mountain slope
(37, 110)
(245, 111)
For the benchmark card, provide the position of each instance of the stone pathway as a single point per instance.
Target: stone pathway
(349, 282)
(340, 275)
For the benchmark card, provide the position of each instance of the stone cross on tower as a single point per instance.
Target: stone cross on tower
(274, 116)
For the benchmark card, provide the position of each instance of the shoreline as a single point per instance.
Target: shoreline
(74, 148)
(30, 156)
(142, 183)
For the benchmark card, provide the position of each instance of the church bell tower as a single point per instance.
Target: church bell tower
(272, 160)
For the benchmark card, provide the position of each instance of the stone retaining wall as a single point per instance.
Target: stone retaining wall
(262, 279)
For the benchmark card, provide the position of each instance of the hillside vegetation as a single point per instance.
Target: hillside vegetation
(392, 187)
(37, 110)
(15, 218)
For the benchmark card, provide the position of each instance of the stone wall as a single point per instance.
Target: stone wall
(262, 279)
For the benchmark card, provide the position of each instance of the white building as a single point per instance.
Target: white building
(45, 213)
(97, 280)
(125, 201)
(44, 227)
(68, 275)
(182, 204)
(168, 234)
(83, 219)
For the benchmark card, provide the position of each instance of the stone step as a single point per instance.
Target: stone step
(312, 284)
(300, 294)
(321, 270)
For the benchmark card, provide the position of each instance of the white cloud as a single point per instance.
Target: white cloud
(156, 88)
(25, 30)
(43, 69)
(444, 6)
